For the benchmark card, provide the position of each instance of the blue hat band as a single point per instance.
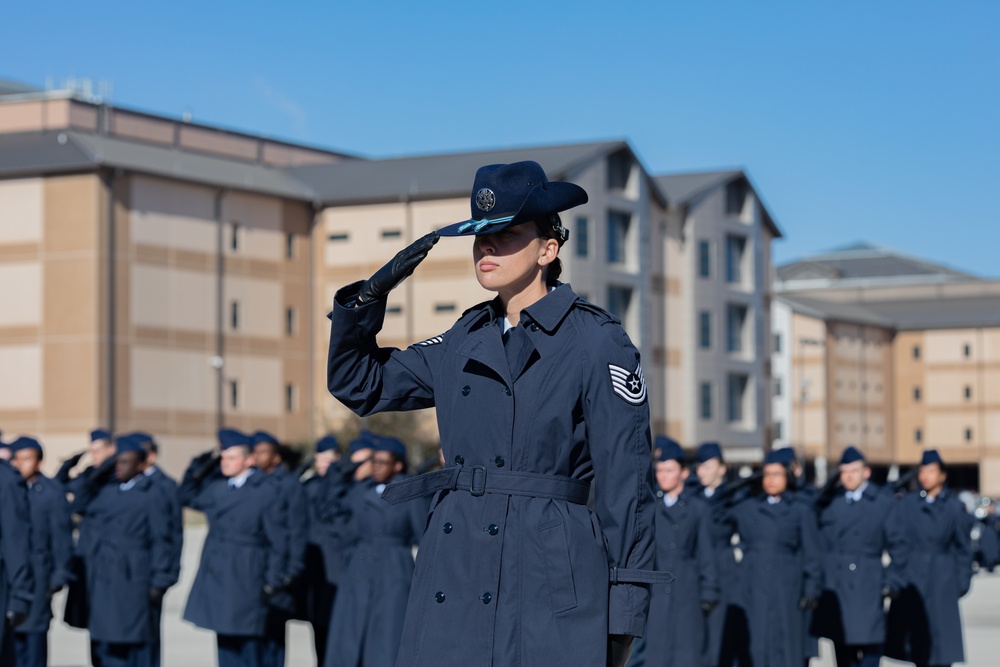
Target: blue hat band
(479, 225)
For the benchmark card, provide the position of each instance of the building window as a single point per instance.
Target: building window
(706, 400)
(968, 392)
(393, 310)
(582, 234)
(918, 435)
(235, 231)
(705, 329)
(338, 237)
(777, 387)
(391, 234)
(736, 197)
(737, 387)
(289, 246)
(916, 394)
(779, 430)
(619, 300)
(735, 247)
(444, 307)
(618, 224)
(736, 316)
(234, 315)
(234, 394)
(290, 398)
(704, 259)
(291, 323)
(967, 351)
(777, 343)
(916, 351)
(968, 435)
(619, 170)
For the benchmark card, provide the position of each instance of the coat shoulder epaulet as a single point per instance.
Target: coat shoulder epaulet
(602, 316)
(475, 310)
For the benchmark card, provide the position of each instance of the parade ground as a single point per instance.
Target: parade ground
(187, 646)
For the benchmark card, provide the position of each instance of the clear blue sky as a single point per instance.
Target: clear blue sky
(857, 120)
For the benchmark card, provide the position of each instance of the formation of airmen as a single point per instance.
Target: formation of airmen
(762, 566)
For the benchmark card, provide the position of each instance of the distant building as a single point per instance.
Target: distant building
(893, 354)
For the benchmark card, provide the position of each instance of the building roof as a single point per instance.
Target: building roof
(865, 261)
(36, 153)
(440, 176)
(683, 188)
(906, 315)
(9, 87)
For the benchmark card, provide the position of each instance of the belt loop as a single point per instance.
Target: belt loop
(614, 575)
(453, 480)
(478, 474)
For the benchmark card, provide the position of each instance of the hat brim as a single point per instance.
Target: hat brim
(543, 200)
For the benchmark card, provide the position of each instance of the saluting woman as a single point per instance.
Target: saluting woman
(541, 533)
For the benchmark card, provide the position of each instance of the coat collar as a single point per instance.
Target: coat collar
(549, 311)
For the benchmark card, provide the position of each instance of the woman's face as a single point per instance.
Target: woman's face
(511, 260)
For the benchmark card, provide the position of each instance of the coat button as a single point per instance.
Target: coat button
(506, 390)
(466, 390)
(492, 529)
(534, 327)
(439, 596)
(460, 460)
(486, 598)
(499, 461)
(447, 528)
(852, 567)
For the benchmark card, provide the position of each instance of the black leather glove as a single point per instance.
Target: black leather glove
(72, 461)
(708, 605)
(16, 618)
(808, 603)
(270, 591)
(619, 650)
(156, 596)
(397, 270)
(205, 464)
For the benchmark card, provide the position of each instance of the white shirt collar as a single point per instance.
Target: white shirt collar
(125, 486)
(670, 500)
(148, 472)
(709, 492)
(773, 500)
(856, 494)
(379, 488)
(238, 480)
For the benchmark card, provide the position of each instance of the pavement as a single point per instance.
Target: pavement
(184, 645)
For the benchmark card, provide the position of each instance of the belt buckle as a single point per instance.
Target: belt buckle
(478, 473)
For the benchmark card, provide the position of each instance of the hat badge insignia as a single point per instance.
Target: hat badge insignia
(485, 200)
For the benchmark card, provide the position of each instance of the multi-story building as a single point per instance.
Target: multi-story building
(892, 354)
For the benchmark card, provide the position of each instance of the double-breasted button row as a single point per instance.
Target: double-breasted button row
(486, 598)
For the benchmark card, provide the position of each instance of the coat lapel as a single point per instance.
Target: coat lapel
(483, 346)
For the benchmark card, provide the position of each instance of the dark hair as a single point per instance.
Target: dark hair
(547, 230)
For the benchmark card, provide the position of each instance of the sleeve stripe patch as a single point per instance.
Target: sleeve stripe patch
(431, 341)
(628, 385)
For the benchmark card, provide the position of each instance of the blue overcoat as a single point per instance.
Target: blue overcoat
(245, 549)
(675, 631)
(781, 564)
(16, 580)
(370, 608)
(51, 548)
(854, 537)
(328, 518)
(925, 625)
(175, 515)
(523, 576)
(725, 625)
(295, 509)
(132, 554)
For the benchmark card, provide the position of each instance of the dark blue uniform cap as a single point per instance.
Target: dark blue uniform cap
(24, 442)
(708, 451)
(851, 454)
(365, 440)
(504, 195)
(392, 445)
(129, 443)
(327, 443)
(931, 456)
(264, 436)
(142, 437)
(784, 456)
(230, 437)
(668, 449)
(100, 434)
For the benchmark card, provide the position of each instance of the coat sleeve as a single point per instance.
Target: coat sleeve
(895, 545)
(163, 569)
(175, 533)
(617, 423)
(708, 574)
(297, 506)
(367, 378)
(191, 492)
(61, 534)
(961, 548)
(812, 564)
(276, 533)
(15, 541)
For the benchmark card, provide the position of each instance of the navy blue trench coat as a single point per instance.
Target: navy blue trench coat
(675, 632)
(781, 564)
(133, 554)
(244, 550)
(295, 509)
(515, 565)
(16, 580)
(925, 626)
(368, 615)
(51, 548)
(725, 625)
(854, 537)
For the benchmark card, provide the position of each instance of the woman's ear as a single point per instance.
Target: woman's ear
(550, 250)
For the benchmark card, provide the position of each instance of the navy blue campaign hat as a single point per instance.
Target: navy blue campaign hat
(668, 449)
(850, 455)
(708, 451)
(129, 443)
(394, 446)
(100, 434)
(931, 456)
(230, 437)
(327, 443)
(264, 436)
(504, 195)
(24, 442)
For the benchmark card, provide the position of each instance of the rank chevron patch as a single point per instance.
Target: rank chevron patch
(629, 385)
(431, 341)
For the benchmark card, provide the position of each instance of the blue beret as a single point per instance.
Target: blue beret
(129, 443)
(327, 443)
(230, 437)
(392, 445)
(100, 434)
(851, 454)
(264, 436)
(931, 456)
(668, 449)
(708, 451)
(24, 442)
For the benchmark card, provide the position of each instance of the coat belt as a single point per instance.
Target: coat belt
(477, 481)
